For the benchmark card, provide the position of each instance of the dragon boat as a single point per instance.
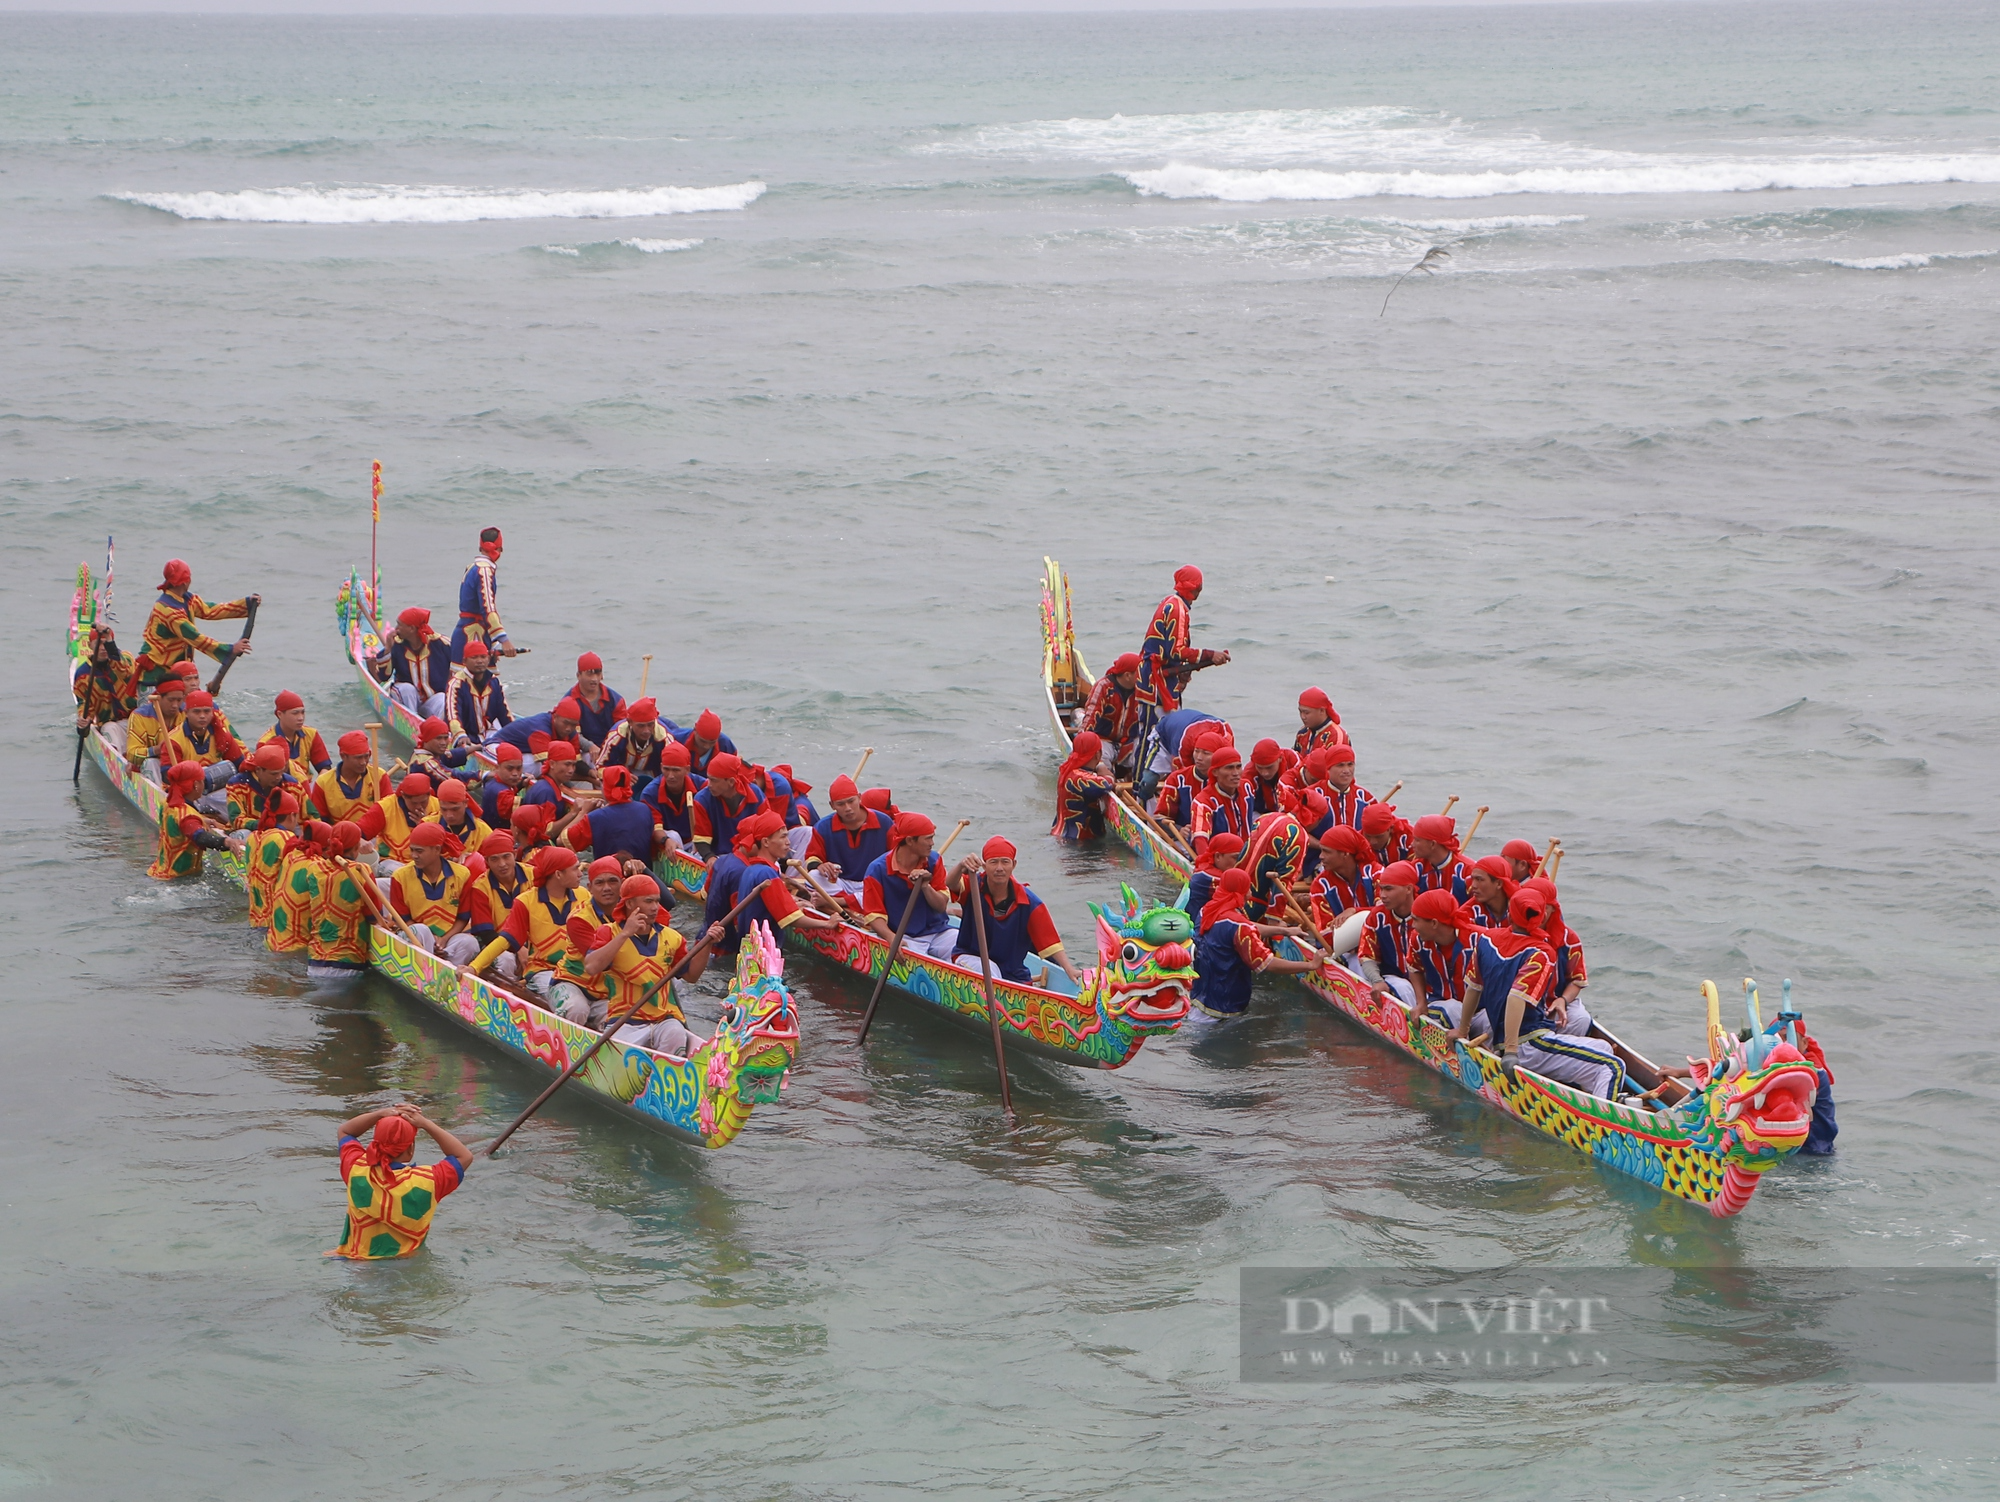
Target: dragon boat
(1139, 989)
(1747, 1107)
(704, 1098)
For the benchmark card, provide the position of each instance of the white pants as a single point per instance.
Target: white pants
(800, 838)
(1567, 1067)
(508, 966)
(1578, 1021)
(570, 999)
(1402, 990)
(664, 1036)
(405, 694)
(828, 879)
(1450, 1008)
(459, 949)
(938, 946)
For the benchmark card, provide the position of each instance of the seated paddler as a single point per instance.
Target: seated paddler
(1084, 786)
(476, 705)
(419, 665)
(763, 846)
(910, 866)
(1017, 921)
(600, 708)
(435, 894)
(352, 784)
(846, 842)
(625, 970)
(198, 738)
(622, 827)
(636, 741)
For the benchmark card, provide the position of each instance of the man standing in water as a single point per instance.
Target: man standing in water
(390, 1201)
(479, 602)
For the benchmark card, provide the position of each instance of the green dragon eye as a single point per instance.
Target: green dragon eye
(1166, 925)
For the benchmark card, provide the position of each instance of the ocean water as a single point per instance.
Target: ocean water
(1660, 518)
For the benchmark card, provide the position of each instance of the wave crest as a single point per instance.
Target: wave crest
(396, 203)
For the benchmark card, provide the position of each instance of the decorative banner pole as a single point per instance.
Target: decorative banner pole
(375, 573)
(104, 611)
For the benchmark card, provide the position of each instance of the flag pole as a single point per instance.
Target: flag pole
(374, 522)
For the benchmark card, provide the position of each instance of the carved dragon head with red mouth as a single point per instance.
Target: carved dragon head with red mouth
(1145, 973)
(1755, 1096)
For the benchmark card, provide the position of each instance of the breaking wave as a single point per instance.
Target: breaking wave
(392, 203)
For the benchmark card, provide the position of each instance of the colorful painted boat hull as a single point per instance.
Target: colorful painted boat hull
(1688, 1150)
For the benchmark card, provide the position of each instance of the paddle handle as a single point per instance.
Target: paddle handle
(1448, 803)
(611, 1026)
(1554, 846)
(249, 625)
(645, 672)
(76, 772)
(975, 899)
(1475, 826)
(866, 752)
(374, 752)
(1392, 792)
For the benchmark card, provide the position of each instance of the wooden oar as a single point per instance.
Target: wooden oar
(1555, 865)
(1449, 802)
(645, 672)
(1392, 792)
(377, 903)
(896, 944)
(76, 772)
(1475, 826)
(975, 898)
(1554, 846)
(866, 752)
(611, 1026)
(374, 752)
(249, 625)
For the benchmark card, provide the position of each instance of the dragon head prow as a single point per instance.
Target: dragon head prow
(1145, 964)
(1756, 1091)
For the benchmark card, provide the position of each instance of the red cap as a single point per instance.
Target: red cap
(566, 709)
(428, 833)
(500, 842)
(590, 662)
(909, 826)
(1315, 698)
(416, 785)
(416, 615)
(1224, 843)
(348, 833)
(606, 865)
(1440, 828)
(551, 859)
(1225, 756)
(289, 700)
(476, 649)
(1335, 755)
(176, 575)
(1345, 837)
(431, 728)
(1520, 850)
(1187, 579)
(354, 743)
(708, 725)
(722, 764)
(842, 787)
(270, 756)
(1378, 818)
(618, 784)
(1263, 754)
(558, 751)
(674, 754)
(200, 698)
(1126, 663)
(530, 817)
(1439, 906)
(451, 790)
(506, 751)
(1397, 874)
(643, 711)
(998, 848)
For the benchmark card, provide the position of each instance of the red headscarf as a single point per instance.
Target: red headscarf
(708, 725)
(420, 618)
(842, 787)
(634, 888)
(1496, 867)
(1440, 829)
(284, 806)
(1127, 663)
(1528, 911)
(1351, 840)
(551, 859)
(1337, 754)
(724, 767)
(998, 848)
(394, 1139)
(1520, 850)
(1187, 581)
(758, 827)
(490, 546)
(1224, 756)
(176, 575)
(880, 800)
(1219, 844)
(1232, 890)
(617, 784)
(1557, 929)
(1315, 698)
(346, 837)
(1085, 751)
(1439, 906)
(182, 776)
(1396, 874)
(1264, 754)
(1380, 818)
(909, 826)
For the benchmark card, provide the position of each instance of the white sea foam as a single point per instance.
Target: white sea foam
(1236, 137)
(1653, 175)
(393, 203)
(1908, 261)
(659, 247)
(561, 250)
(1483, 226)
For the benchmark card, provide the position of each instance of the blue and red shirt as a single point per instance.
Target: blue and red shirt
(851, 851)
(1503, 961)
(476, 708)
(1450, 877)
(1013, 929)
(621, 829)
(596, 723)
(1389, 941)
(699, 759)
(887, 891)
(674, 811)
(714, 822)
(1080, 800)
(1217, 813)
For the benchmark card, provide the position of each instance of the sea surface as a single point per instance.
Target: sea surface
(1660, 516)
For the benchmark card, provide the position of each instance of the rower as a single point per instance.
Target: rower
(625, 972)
(496, 888)
(552, 787)
(598, 900)
(390, 1200)
(886, 887)
(764, 846)
(603, 708)
(704, 741)
(392, 821)
(845, 843)
(260, 781)
(1265, 782)
(339, 921)
(1345, 884)
(788, 798)
(298, 871)
(1508, 976)
(171, 636)
(147, 730)
(1112, 712)
(1224, 853)
(531, 823)
(1224, 804)
(265, 849)
(466, 830)
(434, 893)
(671, 796)
(1189, 777)
(1084, 786)
(502, 785)
(1489, 886)
(532, 945)
(636, 742)
(1439, 955)
(1319, 724)
(882, 801)
(105, 683)
(184, 835)
(435, 755)
(532, 733)
(477, 703)
(354, 783)
(721, 805)
(1434, 849)
(622, 828)
(1566, 990)
(304, 749)
(1387, 835)
(1522, 857)
(1173, 743)
(479, 602)
(1385, 954)
(1167, 660)
(1017, 921)
(198, 738)
(1231, 951)
(420, 665)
